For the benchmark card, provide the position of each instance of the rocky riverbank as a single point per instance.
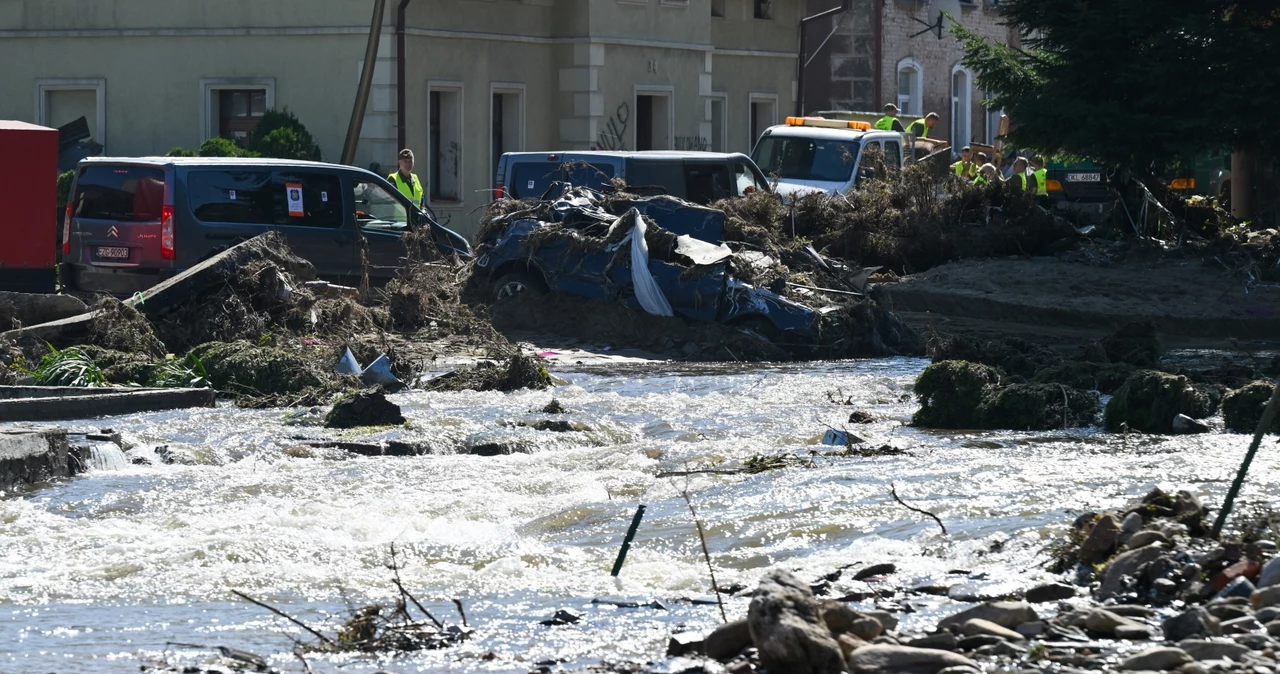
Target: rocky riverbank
(1142, 589)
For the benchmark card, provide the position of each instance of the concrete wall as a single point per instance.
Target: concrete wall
(577, 64)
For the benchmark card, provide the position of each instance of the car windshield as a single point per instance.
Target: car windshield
(807, 158)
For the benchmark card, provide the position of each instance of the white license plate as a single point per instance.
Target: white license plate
(1084, 177)
(113, 252)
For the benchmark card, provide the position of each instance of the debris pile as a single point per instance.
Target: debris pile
(674, 283)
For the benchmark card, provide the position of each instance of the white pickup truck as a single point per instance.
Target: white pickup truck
(811, 154)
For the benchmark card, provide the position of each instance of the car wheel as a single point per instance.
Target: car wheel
(516, 284)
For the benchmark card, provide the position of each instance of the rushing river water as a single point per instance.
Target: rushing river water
(107, 571)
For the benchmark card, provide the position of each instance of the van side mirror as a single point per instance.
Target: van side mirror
(866, 173)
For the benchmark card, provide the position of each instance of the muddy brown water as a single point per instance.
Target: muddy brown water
(102, 573)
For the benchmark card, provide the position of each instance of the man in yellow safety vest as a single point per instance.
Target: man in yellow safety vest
(890, 120)
(1041, 175)
(921, 126)
(405, 179)
(1019, 175)
(965, 168)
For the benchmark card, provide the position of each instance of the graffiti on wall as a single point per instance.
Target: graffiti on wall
(692, 143)
(613, 135)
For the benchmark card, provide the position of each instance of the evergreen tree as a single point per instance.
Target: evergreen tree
(1134, 84)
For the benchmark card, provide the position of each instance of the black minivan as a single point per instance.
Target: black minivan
(133, 222)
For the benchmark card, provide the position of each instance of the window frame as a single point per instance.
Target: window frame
(956, 141)
(208, 85)
(98, 85)
(666, 92)
(507, 88)
(916, 95)
(753, 98)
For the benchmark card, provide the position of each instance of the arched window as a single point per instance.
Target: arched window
(910, 87)
(961, 107)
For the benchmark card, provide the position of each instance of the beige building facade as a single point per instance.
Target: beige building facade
(482, 77)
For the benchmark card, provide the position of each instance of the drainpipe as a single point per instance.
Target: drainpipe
(366, 81)
(401, 142)
(877, 22)
(845, 5)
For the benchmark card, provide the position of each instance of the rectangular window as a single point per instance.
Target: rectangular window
(127, 193)
(78, 104)
(653, 122)
(706, 183)
(378, 209)
(507, 125)
(717, 124)
(445, 137)
(762, 9)
(893, 156)
(307, 199)
(231, 196)
(239, 111)
(530, 179)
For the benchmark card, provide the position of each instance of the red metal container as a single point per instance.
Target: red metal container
(28, 206)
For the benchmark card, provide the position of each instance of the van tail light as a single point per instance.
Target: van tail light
(66, 230)
(498, 191)
(166, 232)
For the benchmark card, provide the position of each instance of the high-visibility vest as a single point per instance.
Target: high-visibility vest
(885, 123)
(1022, 179)
(980, 180)
(924, 129)
(962, 167)
(412, 188)
(1042, 182)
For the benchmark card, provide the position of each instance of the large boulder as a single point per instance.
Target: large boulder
(1242, 408)
(366, 408)
(1101, 541)
(890, 659)
(1193, 622)
(787, 628)
(727, 640)
(1136, 343)
(950, 392)
(1158, 659)
(1149, 401)
(1125, 568)
(1037, 407)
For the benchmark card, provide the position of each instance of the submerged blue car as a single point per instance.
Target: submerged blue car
(570, 243)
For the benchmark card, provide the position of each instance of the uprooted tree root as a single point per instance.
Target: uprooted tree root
(382, 629)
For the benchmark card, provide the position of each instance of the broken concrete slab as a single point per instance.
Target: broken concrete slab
(34, 454)
(49, 403)
(36, 308)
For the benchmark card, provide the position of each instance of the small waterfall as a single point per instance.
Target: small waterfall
(106, 456)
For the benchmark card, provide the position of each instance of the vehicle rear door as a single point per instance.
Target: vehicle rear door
(116, 215)
(226, 206)
(530, 177)
(647, 173)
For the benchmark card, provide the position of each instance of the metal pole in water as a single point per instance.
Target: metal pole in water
(626, 543)
(1264, 425)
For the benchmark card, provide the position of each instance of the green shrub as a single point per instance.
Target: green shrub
(1242, 409)
(223, 147)
(295, 143)
(182, 152)
(950, 392)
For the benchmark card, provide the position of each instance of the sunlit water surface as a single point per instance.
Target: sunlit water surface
(108, 571)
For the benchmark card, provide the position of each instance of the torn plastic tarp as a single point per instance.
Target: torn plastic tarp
(701, 252)
(647, 292)
(377, 374)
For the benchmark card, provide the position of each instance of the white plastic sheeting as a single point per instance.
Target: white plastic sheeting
(647, 291)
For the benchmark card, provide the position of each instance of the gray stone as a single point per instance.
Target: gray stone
(1227, 611)
(1254, 642)
(875, 570)
(1194, 622)
(943, 641)
(1267, 614)
(1031, 629)
(1240, 587)
(1192, 668)
(685, 643)
(1144, 538)
(1105, 622)
(1050, 592)
(1127, 564)
(848, 644)
(959, 670)
(37, 308)
(1270, 574)
(1273, 628)
(886, 619)
(1159, 659)
(884, 659)
(979, 626)
(1134, 632)
(366, 408)
(1164, 586)
(1008, 614)
(1101, 542)
(1002, 648)
(1244, 625)
(786, 627)
(977, 641)
(34, 454)
(1184, 424)
(1267, 596)
(727, 640)
(838, 616)
(1203, 649)
(866, 628)
(1132, 524)
(1131, 611)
